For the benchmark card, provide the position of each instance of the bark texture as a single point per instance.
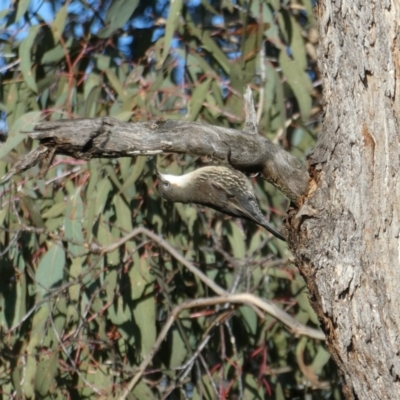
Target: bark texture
(346, 236)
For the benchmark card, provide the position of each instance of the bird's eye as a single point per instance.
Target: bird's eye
(166, 184)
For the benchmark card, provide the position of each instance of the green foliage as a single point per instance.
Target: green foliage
(80, 306)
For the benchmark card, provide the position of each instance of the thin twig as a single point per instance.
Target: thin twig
(250, 125)
(67, 353)
(263, 76)
(235, 353)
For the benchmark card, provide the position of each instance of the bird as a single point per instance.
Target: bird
(221, 188)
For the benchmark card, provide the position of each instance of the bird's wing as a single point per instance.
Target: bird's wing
(221, 192)
(234, 205)
(247, 208)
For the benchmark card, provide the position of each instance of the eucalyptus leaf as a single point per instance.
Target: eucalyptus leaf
(117, 15)
(26, 58)
(172, 25)
(58, 25)
(299, 82)
(24, 123)
(50, 271)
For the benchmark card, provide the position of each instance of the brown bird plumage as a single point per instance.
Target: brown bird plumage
(221, 188)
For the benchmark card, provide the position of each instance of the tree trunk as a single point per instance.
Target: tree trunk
(346, 236)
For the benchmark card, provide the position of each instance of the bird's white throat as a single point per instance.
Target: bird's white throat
(177, 180)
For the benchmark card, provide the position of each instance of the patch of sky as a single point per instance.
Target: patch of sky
(145, 20)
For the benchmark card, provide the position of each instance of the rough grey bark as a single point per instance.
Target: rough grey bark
(346, 236)
(108, 137)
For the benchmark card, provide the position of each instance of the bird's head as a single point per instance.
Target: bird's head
(173, 187)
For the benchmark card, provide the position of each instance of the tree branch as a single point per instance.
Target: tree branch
(240, 298)
(107, 137)
(246, 298)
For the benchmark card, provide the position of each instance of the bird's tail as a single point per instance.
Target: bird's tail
(271, 229)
